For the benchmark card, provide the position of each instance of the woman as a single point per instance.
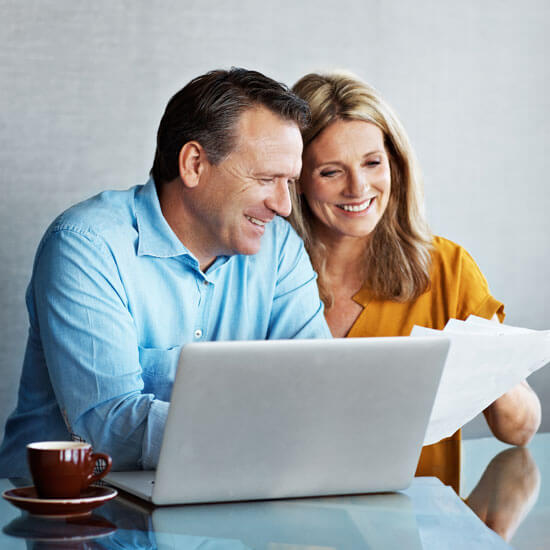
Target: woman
(358, 207)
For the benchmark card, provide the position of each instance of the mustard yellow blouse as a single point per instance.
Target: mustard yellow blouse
(457, 289)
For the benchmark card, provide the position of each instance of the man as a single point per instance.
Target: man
(125, 279)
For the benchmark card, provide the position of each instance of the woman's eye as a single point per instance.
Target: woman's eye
(373, 163)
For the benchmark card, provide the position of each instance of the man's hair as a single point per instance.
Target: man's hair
(398, 257)
(207, 111)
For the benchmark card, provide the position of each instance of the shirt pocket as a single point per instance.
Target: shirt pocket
(159, 367)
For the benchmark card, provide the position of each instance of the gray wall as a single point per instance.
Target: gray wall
(83, 86)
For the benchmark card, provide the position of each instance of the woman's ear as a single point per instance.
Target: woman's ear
(191, 163)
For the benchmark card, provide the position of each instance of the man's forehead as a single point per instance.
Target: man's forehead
(270, 156)
(260, 123)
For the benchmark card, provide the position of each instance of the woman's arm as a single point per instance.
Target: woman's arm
(514, 417)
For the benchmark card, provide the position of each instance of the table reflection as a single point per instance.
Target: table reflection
(359, 522)
(81, 532)
(507, 491)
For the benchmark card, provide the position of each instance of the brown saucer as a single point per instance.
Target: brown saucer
(27, 499)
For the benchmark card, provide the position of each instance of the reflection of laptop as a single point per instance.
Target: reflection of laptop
(345, 523)
(289, 418)
(353, 522)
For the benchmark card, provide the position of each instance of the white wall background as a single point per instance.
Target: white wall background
(83, 86)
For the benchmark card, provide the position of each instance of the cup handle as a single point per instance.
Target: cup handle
(109, 462)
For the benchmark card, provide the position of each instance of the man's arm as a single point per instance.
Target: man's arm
(91, 349)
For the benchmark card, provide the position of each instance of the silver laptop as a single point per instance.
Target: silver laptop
(293, 418)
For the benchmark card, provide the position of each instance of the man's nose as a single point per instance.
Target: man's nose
(279, 198)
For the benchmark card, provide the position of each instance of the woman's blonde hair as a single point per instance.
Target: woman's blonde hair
(398, 260)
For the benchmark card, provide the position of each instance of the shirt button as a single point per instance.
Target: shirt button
(205, 283)
(198, 333)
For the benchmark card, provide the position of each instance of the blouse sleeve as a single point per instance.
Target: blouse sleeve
(474, 296)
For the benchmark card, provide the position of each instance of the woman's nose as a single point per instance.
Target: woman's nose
(358, 183)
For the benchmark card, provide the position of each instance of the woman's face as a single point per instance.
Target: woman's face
(346, 178)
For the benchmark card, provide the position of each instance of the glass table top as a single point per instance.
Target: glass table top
(509, 488)
(505, 486)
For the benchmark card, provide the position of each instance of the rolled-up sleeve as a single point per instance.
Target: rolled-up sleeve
(91, 349)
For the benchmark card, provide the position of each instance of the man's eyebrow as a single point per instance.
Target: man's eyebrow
(277, 175)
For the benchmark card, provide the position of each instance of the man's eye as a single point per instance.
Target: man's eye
(266, 180)
(329, 173)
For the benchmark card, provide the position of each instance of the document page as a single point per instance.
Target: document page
(486, 359)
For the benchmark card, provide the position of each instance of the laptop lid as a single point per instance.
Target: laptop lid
(293, 418)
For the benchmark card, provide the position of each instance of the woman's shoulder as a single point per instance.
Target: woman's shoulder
(448, 253)
(446, 247)
(453, 262)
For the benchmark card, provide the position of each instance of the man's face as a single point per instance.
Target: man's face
(236, 198)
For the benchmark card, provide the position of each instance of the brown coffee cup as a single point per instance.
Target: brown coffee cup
(63, 469)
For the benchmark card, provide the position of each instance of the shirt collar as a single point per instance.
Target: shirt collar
(155, 236)
(363, 297)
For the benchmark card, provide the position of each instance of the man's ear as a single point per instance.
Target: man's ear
(191, 163)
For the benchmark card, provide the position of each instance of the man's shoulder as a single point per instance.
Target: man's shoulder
(105, 215)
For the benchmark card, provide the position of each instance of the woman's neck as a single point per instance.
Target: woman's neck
(344, 260)
(344, 276)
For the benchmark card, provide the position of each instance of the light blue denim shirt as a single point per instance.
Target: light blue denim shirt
(114, 296)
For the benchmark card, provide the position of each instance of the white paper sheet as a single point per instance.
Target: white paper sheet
(485, 360)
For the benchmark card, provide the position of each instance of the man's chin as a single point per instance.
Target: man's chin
(249, 248)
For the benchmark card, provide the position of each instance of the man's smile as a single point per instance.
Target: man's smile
(256, 221)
